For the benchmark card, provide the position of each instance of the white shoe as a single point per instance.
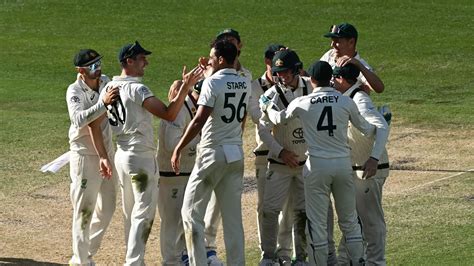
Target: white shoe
(214, 261)
(268, 262)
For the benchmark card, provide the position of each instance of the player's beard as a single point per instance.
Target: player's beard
(93, 75)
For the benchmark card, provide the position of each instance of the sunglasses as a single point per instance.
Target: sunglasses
(116, 114)
(94, 67)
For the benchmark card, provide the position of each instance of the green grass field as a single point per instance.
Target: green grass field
(422, 50)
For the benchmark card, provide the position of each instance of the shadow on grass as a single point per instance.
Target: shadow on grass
(20, 261)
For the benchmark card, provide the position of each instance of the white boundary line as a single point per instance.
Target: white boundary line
(434, 181)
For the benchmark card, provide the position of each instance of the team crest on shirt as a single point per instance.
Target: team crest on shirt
(144, 90)
(75, 99)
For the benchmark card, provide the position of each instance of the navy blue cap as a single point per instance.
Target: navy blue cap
(131, 50)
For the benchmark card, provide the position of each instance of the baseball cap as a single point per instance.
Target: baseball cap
(348, 71)
(285, 59)
(86, 57)
(343, 30)
(131, 50)
(272, 49)
(320, 71)
(228, 32)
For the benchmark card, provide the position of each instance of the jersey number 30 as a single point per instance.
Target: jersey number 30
(233, 110)
(330, 127)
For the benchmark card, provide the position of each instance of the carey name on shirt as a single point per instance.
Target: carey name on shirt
(324, 99)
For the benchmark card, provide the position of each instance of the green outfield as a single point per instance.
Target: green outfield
(422, 50)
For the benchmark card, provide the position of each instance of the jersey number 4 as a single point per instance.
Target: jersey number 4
(330, 127)
(233, 110)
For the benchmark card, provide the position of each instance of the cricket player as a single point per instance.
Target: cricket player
(219, 165)
(325, 114)
(343, 51)
(287, 147)
(213, 216)
(92, 196)
(368, 190)
(172, 186)
(135, 158)
(260, 86)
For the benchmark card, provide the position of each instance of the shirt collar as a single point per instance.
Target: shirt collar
(350, 90)
(127, 78)
(227, 71)
(320, 89)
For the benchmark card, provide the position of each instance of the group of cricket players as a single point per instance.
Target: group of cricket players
(320, 147)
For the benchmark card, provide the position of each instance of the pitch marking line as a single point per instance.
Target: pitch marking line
(434, 181)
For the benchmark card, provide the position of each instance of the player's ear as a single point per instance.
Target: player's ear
(221, 60)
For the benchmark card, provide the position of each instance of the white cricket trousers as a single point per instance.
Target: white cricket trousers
(93, 199)
(285, 226)
(212, 219)
(138, 175)
(170, 201)
(212, 172)
(281, 181)
(323, 177)
(370, 211)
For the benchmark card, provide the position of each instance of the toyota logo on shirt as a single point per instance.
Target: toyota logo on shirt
(298, 135)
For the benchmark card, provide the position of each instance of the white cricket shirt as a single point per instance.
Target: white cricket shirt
(136, 133)
(84, 107)
(325, 115)
(227, 93)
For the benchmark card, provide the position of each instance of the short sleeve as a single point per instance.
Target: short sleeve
(141, 94)
(207, 96)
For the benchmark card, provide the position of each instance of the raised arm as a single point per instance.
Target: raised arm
(373, 81)
(81, 117)
(159, 109)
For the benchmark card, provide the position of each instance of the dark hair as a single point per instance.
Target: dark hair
(225, 49)
(124, 63)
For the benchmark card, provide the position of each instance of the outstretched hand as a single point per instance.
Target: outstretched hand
(192, 77)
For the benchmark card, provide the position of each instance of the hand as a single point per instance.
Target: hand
(175, 161)
(192, 77)
(370, 168)
(205, 66)
(174, 89)
(344, 60)
(289, 158)
(111, 95)
(105, 168)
